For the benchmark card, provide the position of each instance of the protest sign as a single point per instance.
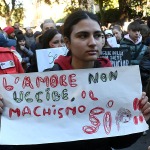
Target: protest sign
(46, 57)
(118, 56)
(71, 105)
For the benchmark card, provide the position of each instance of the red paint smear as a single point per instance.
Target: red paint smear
(136, 104)
(135, 120)
(141, 119)
(107, 122)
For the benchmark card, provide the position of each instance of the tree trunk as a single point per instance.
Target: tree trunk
(100, 3)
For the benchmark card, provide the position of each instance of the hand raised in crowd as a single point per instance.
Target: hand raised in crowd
(145, 106)
(1, 104)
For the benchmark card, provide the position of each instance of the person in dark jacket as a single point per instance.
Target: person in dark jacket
(24, 51)
(52, 38)
(82, 35)
(134, 40)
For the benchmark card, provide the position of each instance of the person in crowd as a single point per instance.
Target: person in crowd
(24, 51)
(8, 54)
(29, 36)
(117, 32)
(47, 24)
(82, 36)
(5, 41)
(10, 32)
(134, 40)
(51, 39)
(108, 34)
(17, 28)
(145, 32)
(111, 40)
(34, 44)
(14, 66)
(145, 61)
(78, 37)
(16, 25)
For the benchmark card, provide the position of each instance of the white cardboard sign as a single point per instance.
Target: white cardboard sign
(46, 57)
(74, 104)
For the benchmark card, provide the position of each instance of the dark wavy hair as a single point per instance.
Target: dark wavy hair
(73, 19)
(48, 36)
(76, 17)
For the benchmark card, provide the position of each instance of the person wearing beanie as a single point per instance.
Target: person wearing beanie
(24, 51)
(5, 41)
(108, 33)
(110, 39)
(10, 32)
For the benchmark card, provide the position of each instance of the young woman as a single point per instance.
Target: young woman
(83, 38)
(52, 39)
(82, 35)
(24, 51)
(118, 33)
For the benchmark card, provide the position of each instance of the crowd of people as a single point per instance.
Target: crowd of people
(84, 38)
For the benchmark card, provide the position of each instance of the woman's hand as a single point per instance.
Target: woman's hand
(1, 104)
(145, 106)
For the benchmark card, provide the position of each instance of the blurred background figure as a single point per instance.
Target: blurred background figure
(10, 32)
(24, 51)
(5, 41)
(47, 24)
(108, 33)
(117, 32)
(145, 32)
(51, 38)
(110, 39)
(29, 36)
(17, 28)
(16, 25)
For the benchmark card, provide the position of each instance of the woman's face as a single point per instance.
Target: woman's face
(85, 41)
(117, 34)
(57, 41)
(22, 42)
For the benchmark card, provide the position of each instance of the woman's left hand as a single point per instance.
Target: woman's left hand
(145, 106)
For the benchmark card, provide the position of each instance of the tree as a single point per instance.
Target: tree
(11, 11)
(123, 10)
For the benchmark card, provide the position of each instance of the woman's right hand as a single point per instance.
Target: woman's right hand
(1, 104)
